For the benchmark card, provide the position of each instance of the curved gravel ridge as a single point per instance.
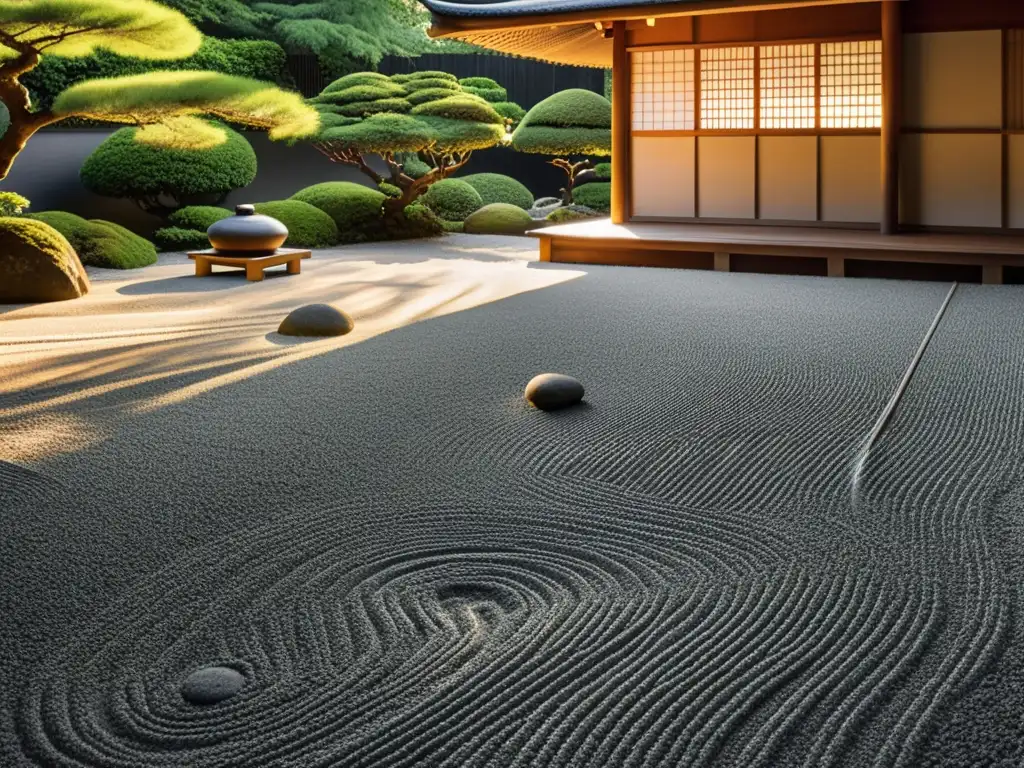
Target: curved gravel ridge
(671, 574)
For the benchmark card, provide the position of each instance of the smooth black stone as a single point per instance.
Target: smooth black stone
(316, 320)
(553, 391)
(210, 685)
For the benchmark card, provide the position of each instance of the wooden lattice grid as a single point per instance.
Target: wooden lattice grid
(663, 90)
(787, 87)
(851, 84)
(727, 88)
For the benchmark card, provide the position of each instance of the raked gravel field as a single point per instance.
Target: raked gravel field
(756, 543)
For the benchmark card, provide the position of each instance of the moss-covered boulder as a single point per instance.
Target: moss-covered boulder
(100, 243)
(499, 219)
(452, 199)
(499, 188)
(353, 207)
(37, 263)
(308, 226)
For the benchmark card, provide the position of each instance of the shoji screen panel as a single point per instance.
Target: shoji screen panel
(851, 84)
(953, 80)
(951, 180)
(663, 177)
(787, 87)
(726, 170)
(851, 179)
(787, 178)
(727, 89)
(663, 90)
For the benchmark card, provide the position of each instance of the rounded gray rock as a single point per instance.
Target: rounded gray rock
(553, 391)
(210, 685)
(316, 320)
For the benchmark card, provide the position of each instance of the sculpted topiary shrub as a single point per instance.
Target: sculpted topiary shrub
(603, 171)
(181, 239)
(571, 122)
(160, 179)
(200, 217)
(499, 219)
(498, 188)
(596, 195)
(308, 226)
(355, 209)
(37, 263)
(100, 243)
(452, 199)
(12, 204)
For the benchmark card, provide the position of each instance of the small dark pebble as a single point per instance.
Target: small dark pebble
(553, 391)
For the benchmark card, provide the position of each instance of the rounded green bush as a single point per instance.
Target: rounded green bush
(352, 206)
(494, 95)
(509, 110)
(596, 195)
(389, 190)
(156, 177)
(308, 226)
(603, 171)
(433, 74)
(428, 94)
(562, 215)
(181, 239)
(412, 165)
(453, 226)
(460, 107)
(572, 108)
(452, 199)
(100, 243)
(499, 219)
(37, 263)
(357, 79)
(200, 217)
(498, 188)
(423, 84)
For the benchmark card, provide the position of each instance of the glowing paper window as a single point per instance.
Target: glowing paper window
(663, 91)
(851, 84)
(727, 89)
(787, 86)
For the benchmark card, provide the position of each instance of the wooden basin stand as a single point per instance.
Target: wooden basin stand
(253, 265)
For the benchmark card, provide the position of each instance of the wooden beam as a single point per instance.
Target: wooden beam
(621, 118)
(892, 76)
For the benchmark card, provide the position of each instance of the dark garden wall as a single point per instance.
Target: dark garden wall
(46, 172)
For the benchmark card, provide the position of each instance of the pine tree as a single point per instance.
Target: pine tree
(170, 101)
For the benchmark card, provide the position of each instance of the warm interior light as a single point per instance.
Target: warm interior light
(598, 25)
(650, 22)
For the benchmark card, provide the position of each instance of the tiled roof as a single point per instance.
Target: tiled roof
(478, 8)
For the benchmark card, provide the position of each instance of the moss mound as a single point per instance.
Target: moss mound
(596, 195)
(498, 188)
(181, 239)
(499, 219)
(353, 207)
(37, 263)
(200, 217)
(308, 226)
(161, 177)
(452, 199)
(572, 108)
(603, 171)
(509, 110)
(100, 243)
(573, 213)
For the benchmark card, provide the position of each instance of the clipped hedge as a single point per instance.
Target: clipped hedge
(478, 82)
(596, 195)
(573, 108)
(412, 165)
(499, 219)
(452, 199)
(498, 188)
(353, 207)
(200, 217)
(494, 95)
(308, 226)
(181, 239)
(154, 176)
(510, 110)
(571, 213)
(100, 243)
(603, 171)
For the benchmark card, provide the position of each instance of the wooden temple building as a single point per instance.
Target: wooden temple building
(830, 137)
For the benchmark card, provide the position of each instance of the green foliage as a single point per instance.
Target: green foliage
(12, 204)
(499, 219)
(571, 122)
(428, 94)
(493, 95)
(603, 171)
(224, 18)
(412, 165)
(382, 133)
(419, 221)
(596, 195)
(352, 206)
(362, 93)
(478, 82)
(452, 199)
(180, 239)
(390, 190)
(510, 111)
(259, 59)
(100, 243)
(453, 226)
(200, 217)
(308, 226)
(433, 74)
(498, 188)
(461, 135)
(563, 215)
(123, 166)
(366, 108)
(432, 83)
(156, 96)
(127, 27)
(357, 79)
(460, 107)
(37, 263)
